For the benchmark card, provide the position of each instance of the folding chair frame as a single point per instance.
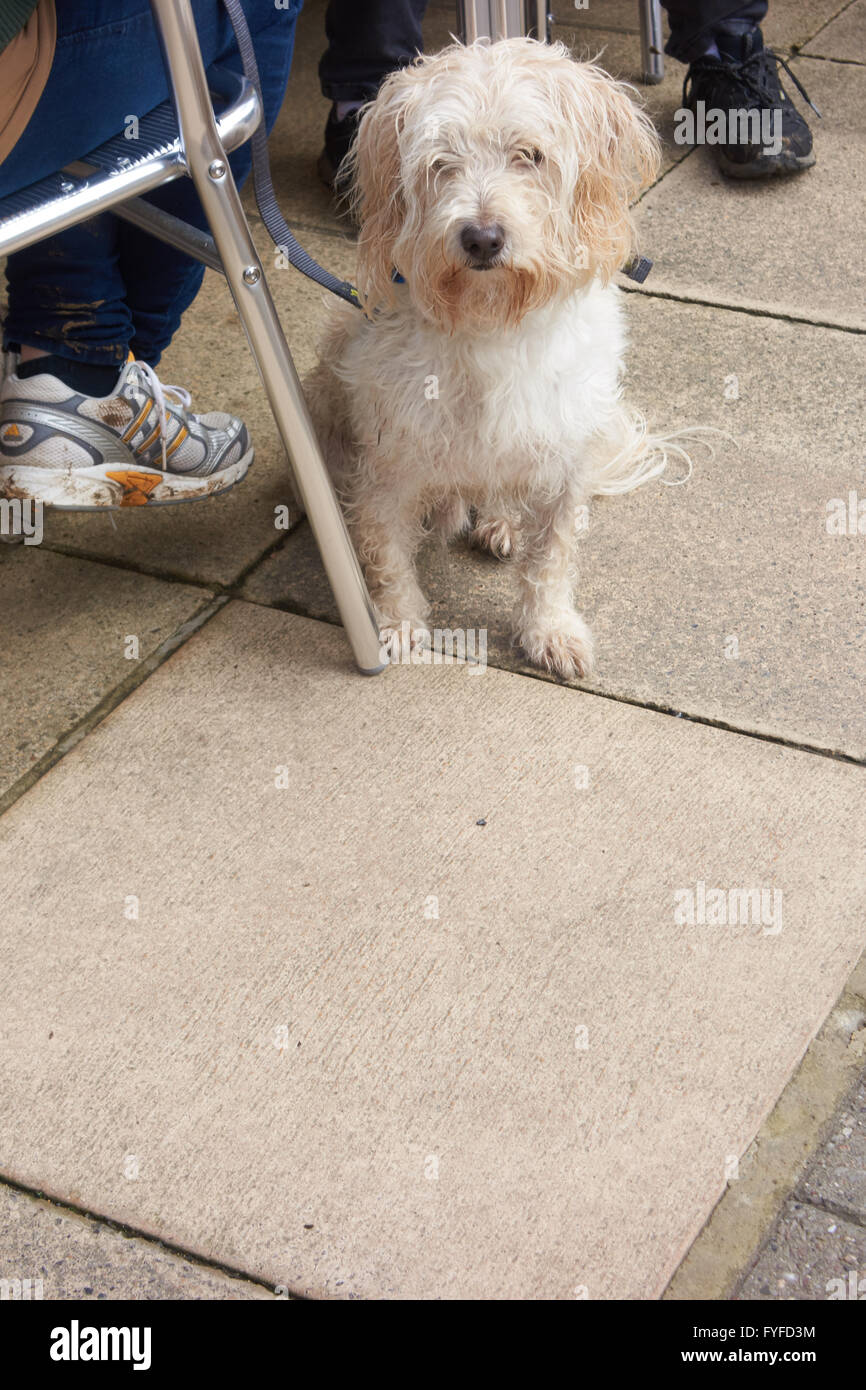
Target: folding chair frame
(502, 19)
(506, 19)
(201, 153)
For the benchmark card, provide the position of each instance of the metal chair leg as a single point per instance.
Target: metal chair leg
(502, 19)
(210, 172)
(652, 58)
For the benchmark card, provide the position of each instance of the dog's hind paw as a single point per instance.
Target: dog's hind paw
(493, 534)
(405, 644)
(565, 650)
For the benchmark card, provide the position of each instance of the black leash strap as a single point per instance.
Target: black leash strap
(264, 188)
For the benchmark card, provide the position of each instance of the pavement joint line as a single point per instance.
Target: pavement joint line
(211, 586)
(757, 313)
(72, 552)
(737, 1284)
(837, 1209)
(834, 755)
(110, 702)
(707, 720)
(221, 594)
(832, 20)
(133, 1233)
(218, 600)
(827, 58)
(575, 26)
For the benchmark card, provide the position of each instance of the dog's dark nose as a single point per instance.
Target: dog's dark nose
(482, 244)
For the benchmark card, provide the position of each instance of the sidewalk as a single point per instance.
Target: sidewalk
(376, 988)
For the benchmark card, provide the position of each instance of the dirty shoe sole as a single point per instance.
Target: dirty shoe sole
(113, 486)
(765, 168)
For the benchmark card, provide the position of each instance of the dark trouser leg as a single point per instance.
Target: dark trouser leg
(367, 39)
(694, 23)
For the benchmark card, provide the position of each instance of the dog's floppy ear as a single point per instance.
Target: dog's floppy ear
(377, 197)
(618, 154)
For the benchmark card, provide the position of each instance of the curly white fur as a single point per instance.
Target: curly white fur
(495, 388)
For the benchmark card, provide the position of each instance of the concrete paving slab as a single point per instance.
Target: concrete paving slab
(403, 1008)
(65, 629)
(810, 1256)
(781, 246)
(844, 38)
(837, 1178)
(65, 1255)
(727, 598)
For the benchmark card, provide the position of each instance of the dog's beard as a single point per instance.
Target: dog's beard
(457, 297)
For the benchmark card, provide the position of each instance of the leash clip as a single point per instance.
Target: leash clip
(638, 268)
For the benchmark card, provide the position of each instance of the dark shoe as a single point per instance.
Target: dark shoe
(746, 78)
(338, 139)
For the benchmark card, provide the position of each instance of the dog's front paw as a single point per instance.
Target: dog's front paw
(493, 534)
(564, 647)
(404, 643)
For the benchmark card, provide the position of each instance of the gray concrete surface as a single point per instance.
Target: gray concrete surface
(66, 1255)
(844, 38)
(726, 598)
(708, 229)
(794, 1135)
(812, 1256)
(836, 1179)
(317, 825)
(816, 1249)
(668, 578)
(70, 633)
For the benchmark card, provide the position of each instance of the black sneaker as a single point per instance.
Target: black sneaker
(746, 77)
(338, 139)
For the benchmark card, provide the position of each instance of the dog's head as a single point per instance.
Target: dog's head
(495, 178)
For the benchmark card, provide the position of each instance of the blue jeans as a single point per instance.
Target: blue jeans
(105, 288)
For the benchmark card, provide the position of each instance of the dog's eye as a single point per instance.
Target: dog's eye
(439, 165)
(528, 154)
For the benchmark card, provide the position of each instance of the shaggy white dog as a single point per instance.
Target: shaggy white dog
(493, 185)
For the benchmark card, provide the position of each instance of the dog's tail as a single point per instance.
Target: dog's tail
(629, 454)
